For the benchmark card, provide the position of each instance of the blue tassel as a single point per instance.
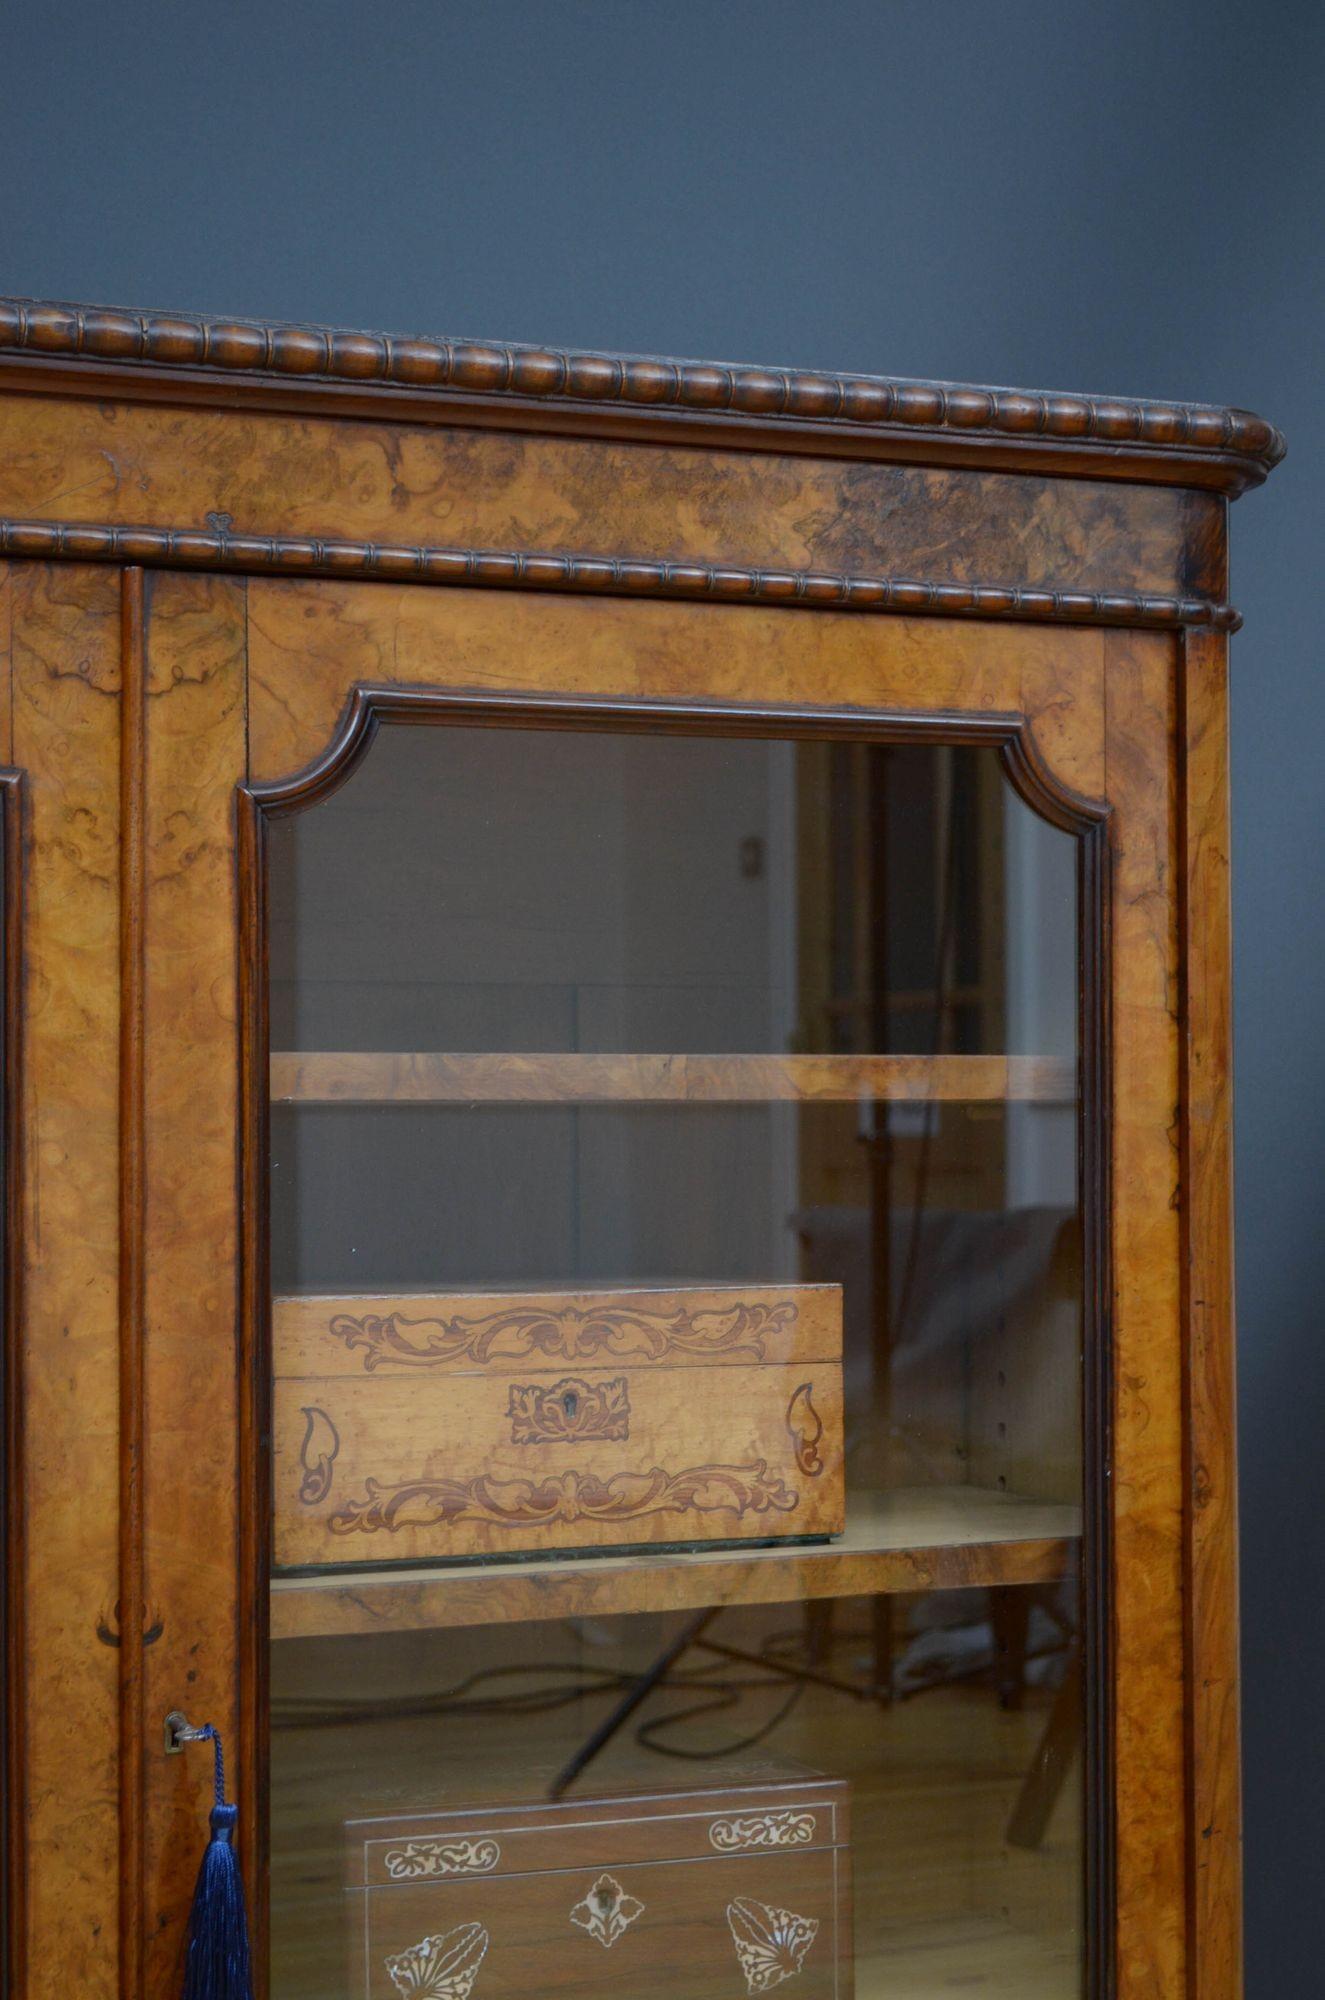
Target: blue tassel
(217, 1963)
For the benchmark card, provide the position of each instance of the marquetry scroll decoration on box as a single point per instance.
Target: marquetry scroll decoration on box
(481, 1425)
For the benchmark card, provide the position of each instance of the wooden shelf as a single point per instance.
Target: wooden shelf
(925, 1538)
(370, 1077)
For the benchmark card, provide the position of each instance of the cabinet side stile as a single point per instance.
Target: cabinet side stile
(1210, 1498)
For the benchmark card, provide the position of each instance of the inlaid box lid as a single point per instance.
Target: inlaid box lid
(797, 1814)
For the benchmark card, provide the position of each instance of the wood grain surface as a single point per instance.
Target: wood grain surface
(143, 1504)
(219, 548)
(7, 574)
(384, 1469)
(913, 1539)
(188, 1221)
(13, 1442)
(607, 1928)
(141, 351)
(508, 1333)
(1147, 1583)
(66, 680)
(310, 643)
(1210, 1501)
(277, 474)
(132, 1263)
(352, 1077)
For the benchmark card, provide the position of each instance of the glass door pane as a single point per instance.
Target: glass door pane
(677, 1341)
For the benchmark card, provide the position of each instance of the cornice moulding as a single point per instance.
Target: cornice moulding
(597, 575)
(189, 357)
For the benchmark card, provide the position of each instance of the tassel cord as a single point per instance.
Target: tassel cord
(217, 1964)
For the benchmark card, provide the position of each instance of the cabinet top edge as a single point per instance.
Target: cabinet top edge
(60, 348)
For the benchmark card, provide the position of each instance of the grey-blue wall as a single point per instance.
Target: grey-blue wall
(1125, 197)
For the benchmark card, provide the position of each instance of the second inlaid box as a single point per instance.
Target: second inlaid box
(470, 1426)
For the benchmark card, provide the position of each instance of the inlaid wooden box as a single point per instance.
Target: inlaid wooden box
(425, 1427)
(699, 1894)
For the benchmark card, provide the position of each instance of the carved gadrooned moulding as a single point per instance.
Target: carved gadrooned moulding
(640, 383)
(187, 547)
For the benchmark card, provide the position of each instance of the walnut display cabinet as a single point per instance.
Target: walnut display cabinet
(616, 1171)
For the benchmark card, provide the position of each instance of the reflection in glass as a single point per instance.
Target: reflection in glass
(579, 897)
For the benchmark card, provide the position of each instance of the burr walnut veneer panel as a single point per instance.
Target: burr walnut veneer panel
(311, 643)
(194, 695)
(155, 717)
(307, 645)
(1210, 1488)
(281, 475)
(66, 655)
(1147, 1584)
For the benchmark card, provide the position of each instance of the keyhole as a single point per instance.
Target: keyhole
(603, 1897)
(570, 1402)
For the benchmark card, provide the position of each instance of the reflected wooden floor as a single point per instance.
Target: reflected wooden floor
(968, 1955)
(944, 1906)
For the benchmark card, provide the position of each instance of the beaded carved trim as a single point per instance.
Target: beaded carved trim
(642, 382)
(219, 547)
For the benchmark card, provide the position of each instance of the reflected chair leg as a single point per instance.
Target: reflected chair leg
(881, 1621)
(1050, 1765)
(1009, 1615)
(818, 1629)
(630, 1701)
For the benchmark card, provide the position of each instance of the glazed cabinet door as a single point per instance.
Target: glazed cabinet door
(651, 1371)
